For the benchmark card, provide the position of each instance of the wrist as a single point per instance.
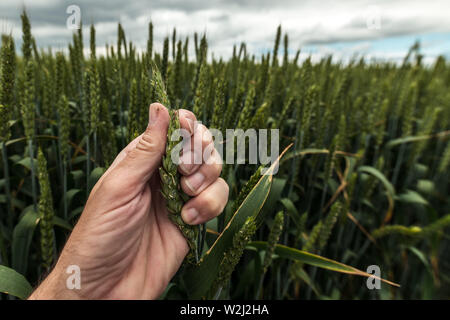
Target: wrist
(54, 287)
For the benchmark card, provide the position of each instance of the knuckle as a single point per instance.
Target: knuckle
(201, 129)
(209, 203)
(213, 165)
(207, 137)
(225, 187)
(216, 169)
(149, 143)
(226, 190)
(187, 114)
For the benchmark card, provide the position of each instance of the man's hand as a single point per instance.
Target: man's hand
(124, 243)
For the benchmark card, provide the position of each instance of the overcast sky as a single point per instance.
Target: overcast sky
(380, 29)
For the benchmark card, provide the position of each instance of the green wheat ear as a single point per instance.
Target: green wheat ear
(249, 185)
(272, 240)
(4, 123)
(232, 256)
(27, 105)
(46, 213)
(7, 80)
(170, 178)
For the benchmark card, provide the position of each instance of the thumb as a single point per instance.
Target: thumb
(141, 161)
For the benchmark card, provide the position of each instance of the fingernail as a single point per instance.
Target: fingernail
(191, 125)
(186, 162)
(194, 181)
(155, 108)
(207, 137)
(189, 215)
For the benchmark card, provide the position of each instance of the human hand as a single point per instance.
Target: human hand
(124, 243)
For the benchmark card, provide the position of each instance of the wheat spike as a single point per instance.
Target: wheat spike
(27, 107)
(26, 36)
(46, 212)
(64, 126)
(170, 185)
(233, 254)
(328, 225)
(274, 237)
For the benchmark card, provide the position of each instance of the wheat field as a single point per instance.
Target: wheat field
(365, 180)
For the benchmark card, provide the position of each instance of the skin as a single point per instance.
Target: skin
(124, 243)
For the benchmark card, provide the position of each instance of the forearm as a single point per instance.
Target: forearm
(54, 287)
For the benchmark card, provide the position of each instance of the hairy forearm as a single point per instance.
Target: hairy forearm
(54, 287)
